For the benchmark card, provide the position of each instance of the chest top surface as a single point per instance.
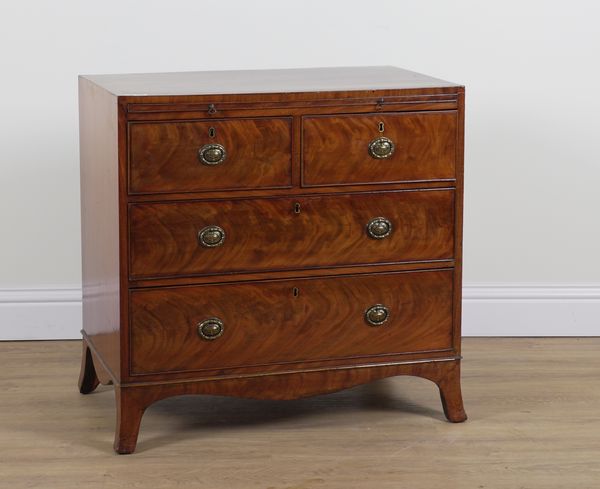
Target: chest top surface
(267, 81)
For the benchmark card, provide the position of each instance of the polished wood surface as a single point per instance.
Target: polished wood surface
(458, 222)
(290, 321)
(221, 106)
(164, 156)
(281, 274)
(88, 378)
(140, 141)
(132, 400)
(532, 403)
(267, 81)
(99, 173)
(273, 234)
(425, 148)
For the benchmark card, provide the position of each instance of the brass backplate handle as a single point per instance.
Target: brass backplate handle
(211, 328)
(377, 315)
(379, 228)
(381, 147)
(211, 236)
(212, 154)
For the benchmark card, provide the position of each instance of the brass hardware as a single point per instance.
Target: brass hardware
(212, 154)
(381, 147)
(377, 315)
(379, 228)
(295, 292)
(211, 328)
(212, 132)
(297, 208)
(211, 236)
(381, 126)
(212, 109)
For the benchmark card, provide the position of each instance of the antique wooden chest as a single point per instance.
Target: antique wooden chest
(269, 234)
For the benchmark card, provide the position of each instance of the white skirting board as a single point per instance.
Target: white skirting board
(48, 313)
(488, 310)
(531, 310)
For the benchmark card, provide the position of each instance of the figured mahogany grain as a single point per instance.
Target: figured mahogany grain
(145, 196)
(265, 322)
(164, 155)
(267, 234)
(335, 148)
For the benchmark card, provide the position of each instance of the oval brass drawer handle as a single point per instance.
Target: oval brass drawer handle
(211, 236)
(377, 315)
(381, 147)
(212, 154)
(211, 328)
(379, 228)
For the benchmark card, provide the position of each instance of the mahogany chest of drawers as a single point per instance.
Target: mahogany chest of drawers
(269, 234)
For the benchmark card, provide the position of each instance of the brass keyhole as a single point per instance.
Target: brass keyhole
(212, 132)
(381, 127)
(297, 208)
(295, 292)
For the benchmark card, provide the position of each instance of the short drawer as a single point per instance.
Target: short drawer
(259, 323)
(379, 148)
(209, 155)
(247, 235)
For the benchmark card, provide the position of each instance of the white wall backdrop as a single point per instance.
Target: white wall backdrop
(532, 225)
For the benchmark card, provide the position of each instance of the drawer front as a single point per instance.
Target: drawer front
(265, 323)
(251, 153)
(421, 146)
(284, 233)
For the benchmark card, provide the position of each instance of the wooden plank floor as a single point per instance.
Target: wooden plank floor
(533, 404)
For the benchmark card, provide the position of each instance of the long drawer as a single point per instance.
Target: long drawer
(259, 323)
(245, 235)
(379, 148)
